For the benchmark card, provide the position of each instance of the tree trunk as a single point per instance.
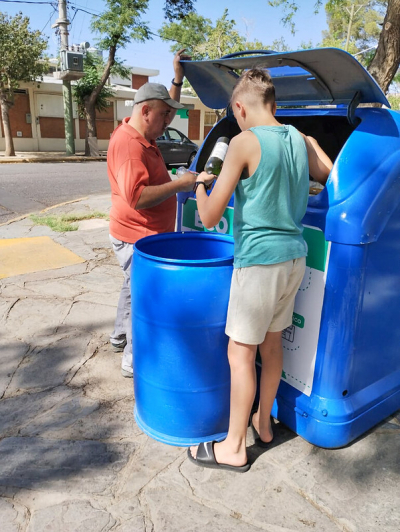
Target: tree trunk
(91, 148)
(5, 118)
(386, 60)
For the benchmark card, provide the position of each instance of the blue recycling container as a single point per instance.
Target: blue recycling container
(180, 292)
(341, 369)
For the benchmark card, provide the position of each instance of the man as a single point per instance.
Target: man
(142, 193)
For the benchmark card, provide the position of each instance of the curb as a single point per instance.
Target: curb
(66, 159)
(23, 216)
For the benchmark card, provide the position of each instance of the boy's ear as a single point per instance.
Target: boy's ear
(240, 108)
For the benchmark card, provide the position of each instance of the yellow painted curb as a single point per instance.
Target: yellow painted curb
(33, 254)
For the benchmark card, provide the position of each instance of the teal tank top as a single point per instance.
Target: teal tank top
(270, 204)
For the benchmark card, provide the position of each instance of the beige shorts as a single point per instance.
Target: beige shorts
(262, 300)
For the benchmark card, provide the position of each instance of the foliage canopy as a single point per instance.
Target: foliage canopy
(120, 23)
(21, 51)
(203, 40)
(93, 67)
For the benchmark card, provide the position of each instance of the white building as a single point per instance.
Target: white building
(37, 118)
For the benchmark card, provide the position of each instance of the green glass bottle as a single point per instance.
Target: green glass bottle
(217, 156)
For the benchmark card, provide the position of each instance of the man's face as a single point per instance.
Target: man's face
(159, 116)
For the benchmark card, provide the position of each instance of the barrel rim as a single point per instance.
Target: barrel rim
(220, 261)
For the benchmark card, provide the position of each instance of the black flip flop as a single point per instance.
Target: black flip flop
(206, 458)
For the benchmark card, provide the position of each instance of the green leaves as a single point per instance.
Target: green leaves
(121, 23)
(21, 52)
(203, 40)
(354, 26)
(191, 32)
(94, 67)
(178, 9)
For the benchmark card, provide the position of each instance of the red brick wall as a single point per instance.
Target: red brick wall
(52, 128)
(18, 117)
(104, 129)
(207, 130)
(104, 123)
(138, 81)
(82, 128)
(194, 124)
(108, 114)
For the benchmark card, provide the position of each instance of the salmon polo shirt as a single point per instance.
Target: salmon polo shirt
(133, 163)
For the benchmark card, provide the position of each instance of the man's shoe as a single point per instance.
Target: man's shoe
(118, 347)
(127, 372)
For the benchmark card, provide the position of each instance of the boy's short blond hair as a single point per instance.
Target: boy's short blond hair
(257, 83)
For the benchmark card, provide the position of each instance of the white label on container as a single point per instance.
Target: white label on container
(300, 340)
(219, 150)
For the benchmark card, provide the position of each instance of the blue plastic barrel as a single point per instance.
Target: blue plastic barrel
(180, 291)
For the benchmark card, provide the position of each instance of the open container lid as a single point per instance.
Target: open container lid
(323, 76)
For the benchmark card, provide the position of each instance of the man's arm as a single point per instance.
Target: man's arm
(156, 194)
(319, 163)
(175, 91)
(153, 195)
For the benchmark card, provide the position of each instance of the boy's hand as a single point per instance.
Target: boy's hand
(319, 163)
(207, 178)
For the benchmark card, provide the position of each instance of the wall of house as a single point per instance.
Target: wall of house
(20, 117)
(138, 80)
(37, 118)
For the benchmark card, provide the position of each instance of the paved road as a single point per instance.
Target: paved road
(31, 187)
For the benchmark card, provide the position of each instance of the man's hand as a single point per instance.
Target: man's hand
(178, 69)
(187, 181)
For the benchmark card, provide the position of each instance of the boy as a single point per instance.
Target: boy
(269, 255)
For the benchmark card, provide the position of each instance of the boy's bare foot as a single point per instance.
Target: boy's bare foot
(264, 431)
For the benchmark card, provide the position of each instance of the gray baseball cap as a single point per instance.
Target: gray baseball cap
(156, 91)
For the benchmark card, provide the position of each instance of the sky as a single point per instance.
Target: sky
(254, 19)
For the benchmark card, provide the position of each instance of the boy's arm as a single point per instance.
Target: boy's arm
(212, 207)
(319, 163)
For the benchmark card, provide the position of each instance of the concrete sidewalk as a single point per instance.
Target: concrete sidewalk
(72, 458)
(49, 156)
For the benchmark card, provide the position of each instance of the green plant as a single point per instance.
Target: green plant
(65, 222)
(394, 100)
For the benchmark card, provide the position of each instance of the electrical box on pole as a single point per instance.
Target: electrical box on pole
(71, 61)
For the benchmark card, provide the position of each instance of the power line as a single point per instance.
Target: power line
(168, 39)
(23, 2)
(50, 3)
(76, 9)
(77, 5)
(83, 21)
(51, 16)
(366, 50)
